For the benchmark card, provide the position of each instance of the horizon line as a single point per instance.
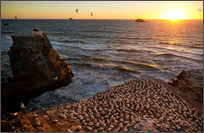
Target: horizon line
(87, 19)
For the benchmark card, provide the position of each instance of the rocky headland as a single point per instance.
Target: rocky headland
(36, 68)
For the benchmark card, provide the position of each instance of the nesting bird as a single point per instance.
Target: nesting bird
(23, 108)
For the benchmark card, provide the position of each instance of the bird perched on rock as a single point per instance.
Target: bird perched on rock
(23, 108)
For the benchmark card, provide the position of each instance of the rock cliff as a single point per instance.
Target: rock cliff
(36, 67)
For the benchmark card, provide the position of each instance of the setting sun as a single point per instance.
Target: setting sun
(175, 14)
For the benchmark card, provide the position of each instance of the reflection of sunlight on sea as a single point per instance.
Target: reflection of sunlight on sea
(170, 47)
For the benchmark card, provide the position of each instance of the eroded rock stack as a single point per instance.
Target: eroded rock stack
(36, 66)
(33, 59)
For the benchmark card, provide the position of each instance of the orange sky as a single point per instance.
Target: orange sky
(102, 9)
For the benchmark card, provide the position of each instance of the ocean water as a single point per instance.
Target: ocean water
(104, 53)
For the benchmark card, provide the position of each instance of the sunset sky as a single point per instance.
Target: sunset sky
(102, 9)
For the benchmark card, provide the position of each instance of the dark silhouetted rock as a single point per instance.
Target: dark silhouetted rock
(36, 67)
(190, 83)
(139, 20)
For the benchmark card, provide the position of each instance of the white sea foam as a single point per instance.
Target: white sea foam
(104, 65)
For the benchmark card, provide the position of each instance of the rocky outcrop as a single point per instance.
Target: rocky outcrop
(33, 58)
(190, 84)
(36, 67)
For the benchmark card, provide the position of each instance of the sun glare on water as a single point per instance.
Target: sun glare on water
(175, 14)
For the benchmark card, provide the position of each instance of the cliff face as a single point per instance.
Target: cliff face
(36, 66)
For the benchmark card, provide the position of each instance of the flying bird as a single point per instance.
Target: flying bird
(199, 10)
(77, 10)
(91, 14)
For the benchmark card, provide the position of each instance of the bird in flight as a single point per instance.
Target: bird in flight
(199, 10)
(91, 14)
(77, 10)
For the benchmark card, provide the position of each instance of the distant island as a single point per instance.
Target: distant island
(140, 20)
